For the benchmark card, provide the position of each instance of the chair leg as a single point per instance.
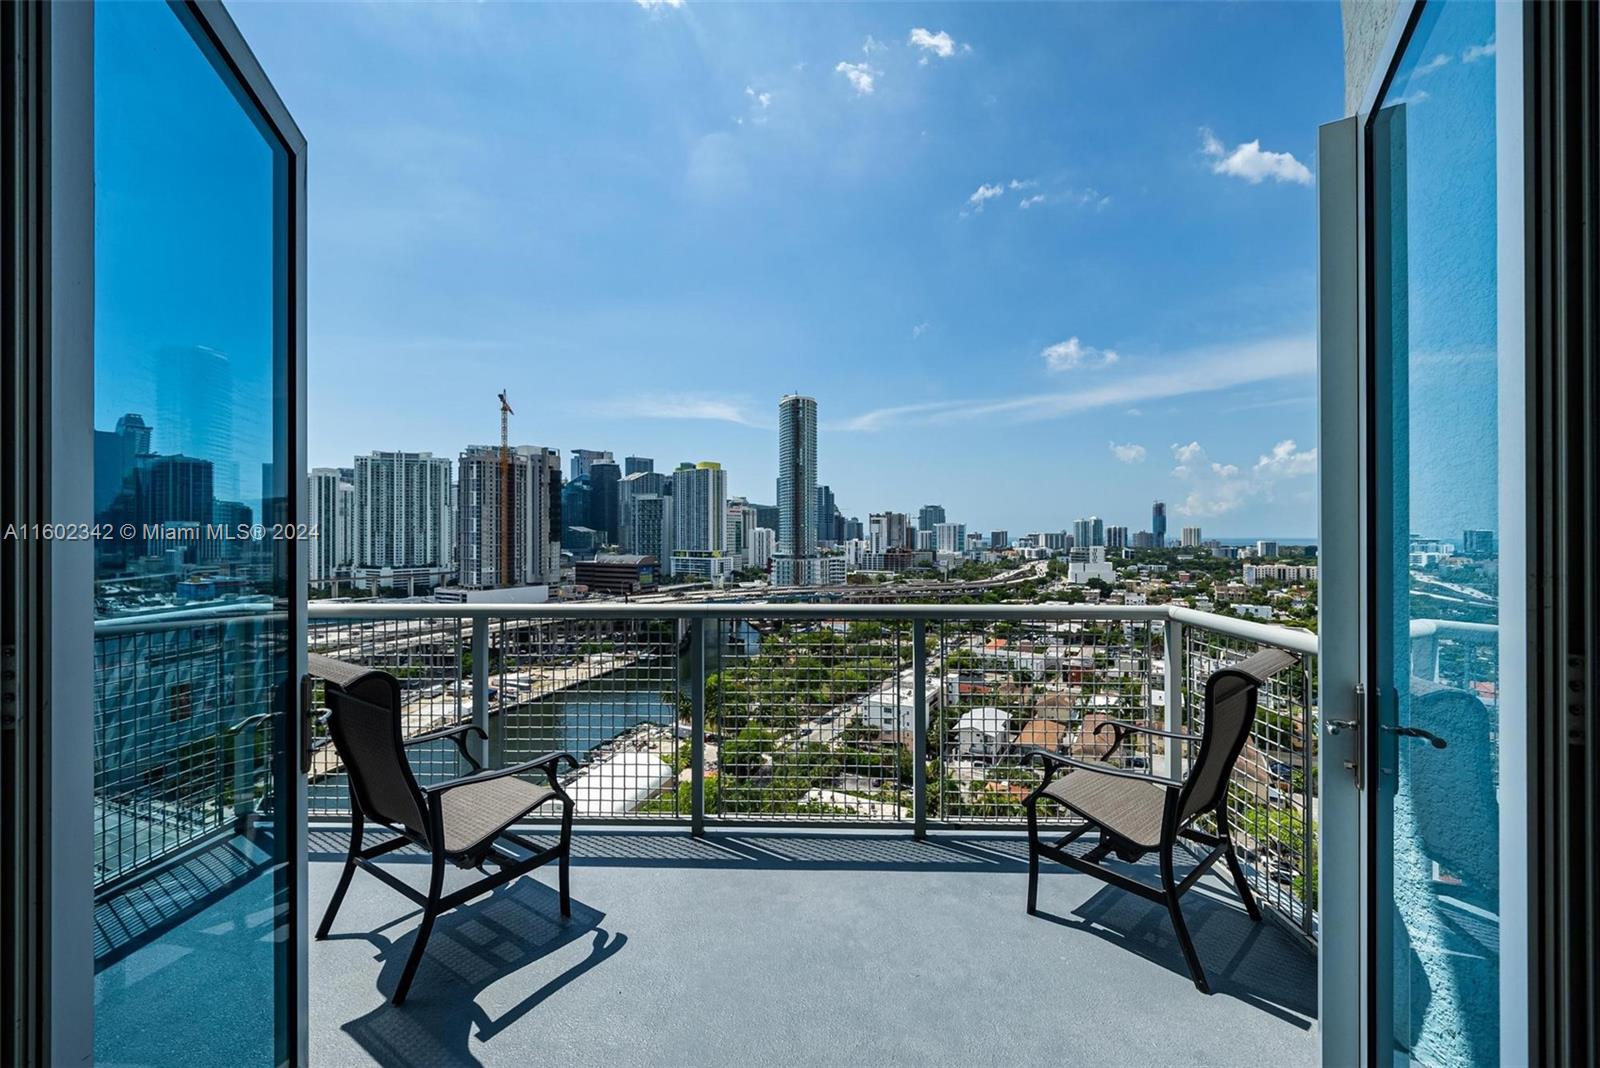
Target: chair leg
(430, 912)
(566, 857)
(1033, 860)
(1170, 885)
(1234, 866)
(356, 829)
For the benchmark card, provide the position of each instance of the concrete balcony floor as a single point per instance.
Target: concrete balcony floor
(756, 947)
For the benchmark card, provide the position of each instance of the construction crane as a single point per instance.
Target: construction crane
(508, 554)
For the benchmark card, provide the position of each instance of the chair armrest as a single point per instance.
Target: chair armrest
(550, 764)
(1125, 727)
(1055, 761)
(456, 734)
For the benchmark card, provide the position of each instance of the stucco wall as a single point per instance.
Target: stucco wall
(1366, 28)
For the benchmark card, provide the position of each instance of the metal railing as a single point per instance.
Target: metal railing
(804, 713)
(916, 716)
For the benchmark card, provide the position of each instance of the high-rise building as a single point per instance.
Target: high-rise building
(826, 511)
(637, 465)
(647, 525)
(1057, 541)
(741, 521)
(1158, 523)
(632, 488)
(1143, 539)
(925, 542)
(1478, 544)
(402, 500)
(950, 538)
(535, 517)
(930, 516)
(700, 519)
(890, 530)
(583, 459)
(1090, 531)
(797, 559)
(116, 454)
(999, 539)
(762, 542)
(605, 503)
(1116, 537)
(1191, 537)
(330, 498)
(575, 497)
(853, 530)
(1266, 549)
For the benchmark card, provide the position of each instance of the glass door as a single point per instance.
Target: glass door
(198, 598)
(1439, 772)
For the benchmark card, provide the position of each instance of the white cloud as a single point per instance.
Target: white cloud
(1071, 353)
(1215, 489)
(1250, 162)
(1197, 371)
(871, 45)
(1128, 454)
(656, 5)
(1473, 53)
(1440, 60)
(982, 195)
(939, 44)
(1022, 183)
(762, 100)
(679, 406)
(1028, 202)
(918, 330)
(860, 76)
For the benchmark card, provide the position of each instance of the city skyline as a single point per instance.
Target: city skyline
(1019, 276)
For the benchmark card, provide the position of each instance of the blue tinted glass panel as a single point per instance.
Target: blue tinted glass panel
(1438, 486)
(191, 645)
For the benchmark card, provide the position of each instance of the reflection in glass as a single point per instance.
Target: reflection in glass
(191, 647)
(1434, 147)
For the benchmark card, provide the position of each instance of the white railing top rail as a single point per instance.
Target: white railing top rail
(1299, 641)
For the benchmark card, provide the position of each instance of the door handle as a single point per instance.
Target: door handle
(1339, 726)
(1417, 732)
(306, 729)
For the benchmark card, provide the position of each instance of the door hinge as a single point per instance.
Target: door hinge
(10, 699)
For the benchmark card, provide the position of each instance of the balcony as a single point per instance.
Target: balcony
(756, 827)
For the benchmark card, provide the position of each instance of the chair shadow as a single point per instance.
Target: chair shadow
(1255, 962)
(472, 948)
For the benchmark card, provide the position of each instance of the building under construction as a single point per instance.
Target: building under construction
(508, 525)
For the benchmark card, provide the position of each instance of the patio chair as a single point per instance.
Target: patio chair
(463, 821)
(1137, 813)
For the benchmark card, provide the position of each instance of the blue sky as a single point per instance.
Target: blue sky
(1034, 261)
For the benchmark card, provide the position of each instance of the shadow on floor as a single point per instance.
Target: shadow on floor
(508, 932)
(1257, 963)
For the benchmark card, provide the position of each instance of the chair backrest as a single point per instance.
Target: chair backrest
(364, 720)
(1230, 713)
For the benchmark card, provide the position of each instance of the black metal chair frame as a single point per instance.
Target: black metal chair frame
(1174, 827)
(429, 801)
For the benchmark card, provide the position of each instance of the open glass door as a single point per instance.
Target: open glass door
(198, 592)
(1439, 769)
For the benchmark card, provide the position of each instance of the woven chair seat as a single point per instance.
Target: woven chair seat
(1129, 808)
(476, 812)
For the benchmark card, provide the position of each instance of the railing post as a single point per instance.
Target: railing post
(1172, 646)
(919, 729)
(697, 726)
(480, 688)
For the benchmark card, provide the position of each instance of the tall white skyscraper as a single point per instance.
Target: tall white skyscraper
(330, 498)
(797, 562)
(402, 500)
(700, 520)
(1191, 537)
(950, 537)
(630, 491)
(1086, 532)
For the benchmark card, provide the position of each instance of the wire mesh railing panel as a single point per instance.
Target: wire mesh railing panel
(1271, 807)
(998, 689)
(430, 658)
(810, 719)
(181, 746)
(607, 691)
